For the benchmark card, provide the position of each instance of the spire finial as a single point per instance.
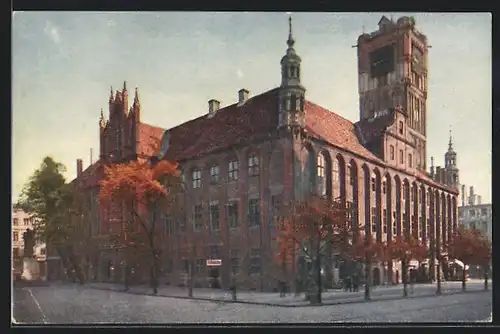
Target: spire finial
(124, 85)
(136, 96)
(450, 143)
(290, 40)
(111, 94)
(432, 161)
(102, 122)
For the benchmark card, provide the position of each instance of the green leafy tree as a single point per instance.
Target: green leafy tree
(47, 197)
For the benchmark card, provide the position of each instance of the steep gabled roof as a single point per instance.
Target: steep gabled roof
(335, 130)
(226, 127)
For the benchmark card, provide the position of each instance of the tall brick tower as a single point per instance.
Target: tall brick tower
(392, 68)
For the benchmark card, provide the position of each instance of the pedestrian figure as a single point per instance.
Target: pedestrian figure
(412, 281)
(281, 288)
(355, 282)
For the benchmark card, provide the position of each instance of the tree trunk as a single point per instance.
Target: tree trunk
(368, 279)
(404, 277)
(127, 276)
(464, 277)
(438, 278)
(390, 275)
(190, 279)
(486, 278)
(318, 272)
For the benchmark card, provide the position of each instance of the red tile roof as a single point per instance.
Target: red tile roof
(335, 129)
(148, 138)
(226, 127)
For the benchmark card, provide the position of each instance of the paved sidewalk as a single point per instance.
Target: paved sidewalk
(272, 298)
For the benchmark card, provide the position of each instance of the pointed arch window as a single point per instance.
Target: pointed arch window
(321, 177)
(335, 171)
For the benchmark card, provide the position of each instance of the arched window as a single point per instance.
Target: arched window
(320, 165)
(335, 171)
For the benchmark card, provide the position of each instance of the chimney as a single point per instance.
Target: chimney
(471, 195)
(463, 194)
(478, 200)
(79, 167)
(213, 106)
(242, 96)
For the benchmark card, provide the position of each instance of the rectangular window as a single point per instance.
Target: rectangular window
(374, 220)
(401, 157)
(198, 217)
(196, 178)
(15, 221)
(235, 261)
(214, 174)
(384, 187)
(169, 224)
(215, 252)
(232, 214)
(484, 212)
(26, 221)
(233, 170)
(253, 165)
(391, 150)
(214, 216)
(472, 213)
(374, 184)
(254, 212)
(15, 236)
(255, 262)
(401, 129)
(200, 266)
(385, 220)
(410, 160)
(275, 210)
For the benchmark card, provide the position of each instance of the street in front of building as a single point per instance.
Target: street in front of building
(76, 304)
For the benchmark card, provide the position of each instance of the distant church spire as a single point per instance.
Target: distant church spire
(290, 40)
(450, 143)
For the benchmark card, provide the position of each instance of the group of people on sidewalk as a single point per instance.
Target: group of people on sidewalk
(351, 283)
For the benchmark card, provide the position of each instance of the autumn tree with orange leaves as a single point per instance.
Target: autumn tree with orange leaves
(135, 195)
(404, 250)
(470, 247)
(311, 226)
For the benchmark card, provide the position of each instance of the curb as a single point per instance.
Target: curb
(340, 302)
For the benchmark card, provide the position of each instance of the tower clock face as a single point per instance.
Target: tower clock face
(382, 61)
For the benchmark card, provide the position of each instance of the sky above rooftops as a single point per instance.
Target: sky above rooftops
(65, 62)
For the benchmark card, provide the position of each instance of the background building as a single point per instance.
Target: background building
(474, 214)
(21, 221)
(243, 164)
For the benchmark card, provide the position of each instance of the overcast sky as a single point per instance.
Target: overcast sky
(65, 62)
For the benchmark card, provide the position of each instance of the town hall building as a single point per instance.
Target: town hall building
(244, 163)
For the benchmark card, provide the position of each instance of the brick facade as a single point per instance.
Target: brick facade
(278, 142)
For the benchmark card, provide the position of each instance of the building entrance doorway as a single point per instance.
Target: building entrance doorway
(214, 274)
